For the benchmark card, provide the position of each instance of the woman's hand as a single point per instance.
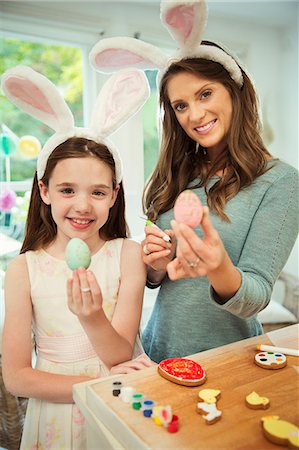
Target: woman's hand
(142, 362)
(84, 294)
(196, 257)
(157, 252)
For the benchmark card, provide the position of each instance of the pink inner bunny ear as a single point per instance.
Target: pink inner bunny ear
(120, 98)
(36, 95)
(186, 22)
(27, 93)
(117, 58)
(181, 18)
(111, 54)
(124, 99)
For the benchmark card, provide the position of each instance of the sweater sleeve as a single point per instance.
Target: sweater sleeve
(270, 239)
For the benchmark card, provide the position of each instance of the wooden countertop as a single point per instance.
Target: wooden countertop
(231, 369)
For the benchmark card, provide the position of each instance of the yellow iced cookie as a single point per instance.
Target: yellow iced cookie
(281, 432)
(254, 401)
(209, 395)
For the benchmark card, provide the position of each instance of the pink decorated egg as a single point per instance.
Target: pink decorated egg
(188, 209)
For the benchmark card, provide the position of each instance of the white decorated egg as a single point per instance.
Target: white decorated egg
(77, 254)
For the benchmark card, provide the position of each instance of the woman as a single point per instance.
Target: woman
(216, 278)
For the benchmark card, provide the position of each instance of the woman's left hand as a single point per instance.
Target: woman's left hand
(84, 294)
(196, 257)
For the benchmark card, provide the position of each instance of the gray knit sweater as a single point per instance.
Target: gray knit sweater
(187, 318)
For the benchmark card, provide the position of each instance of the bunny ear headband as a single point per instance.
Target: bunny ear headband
(121, 97)
(185, 22)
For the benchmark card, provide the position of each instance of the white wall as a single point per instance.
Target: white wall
(272, 58)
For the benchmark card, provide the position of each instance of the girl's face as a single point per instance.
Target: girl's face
(203, 108)
(80, 193)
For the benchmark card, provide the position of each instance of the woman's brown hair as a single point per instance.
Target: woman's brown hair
(183, 160)
(40, 226)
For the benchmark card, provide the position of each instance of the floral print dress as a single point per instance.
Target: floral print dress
(62, 345)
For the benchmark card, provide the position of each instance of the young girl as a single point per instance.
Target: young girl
(86, 321)
(216, 278)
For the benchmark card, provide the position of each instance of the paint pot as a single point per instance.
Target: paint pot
(137, 400)
(173, 426)
(126, 394)
(116, 387)
(147, 407)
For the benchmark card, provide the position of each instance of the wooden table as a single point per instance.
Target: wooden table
(113, 424)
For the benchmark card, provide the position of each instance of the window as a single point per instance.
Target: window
(151, 140)
(62, 64)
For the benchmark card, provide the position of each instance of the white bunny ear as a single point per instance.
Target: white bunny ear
(185, 21)
(121, 97)
(112, 54)
(35, 94)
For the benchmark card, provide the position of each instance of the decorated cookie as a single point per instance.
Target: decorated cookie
(209, 395)
(188, 209)
(209, 411)
(182, 371)
(254, 401)
(270, 360)
(280, 432)
(77, 254)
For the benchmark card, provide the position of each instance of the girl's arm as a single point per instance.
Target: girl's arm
(20, 378)
(113, 341)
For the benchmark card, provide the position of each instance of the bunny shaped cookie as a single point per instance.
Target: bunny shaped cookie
(121, 97)
(186, 22)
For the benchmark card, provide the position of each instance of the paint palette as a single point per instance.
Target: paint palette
(270, 360)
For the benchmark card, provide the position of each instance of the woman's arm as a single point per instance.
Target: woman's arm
(245, 289)
(113, 341)
(20, 378)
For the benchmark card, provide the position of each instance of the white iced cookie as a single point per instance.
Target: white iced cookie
(209, 411)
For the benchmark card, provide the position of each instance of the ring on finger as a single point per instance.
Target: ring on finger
(146, 250)
(86, 289)
(193, 264)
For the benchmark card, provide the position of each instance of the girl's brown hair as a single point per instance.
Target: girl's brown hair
(182, 160)
(40, 226)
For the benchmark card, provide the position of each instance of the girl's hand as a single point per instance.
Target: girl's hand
(142, 362)
(84, 294)
(157, 252)
(196, 257)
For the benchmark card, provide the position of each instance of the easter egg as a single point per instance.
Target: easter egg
(7, 144)
(188, 209)
(29, 146)
(77, 254)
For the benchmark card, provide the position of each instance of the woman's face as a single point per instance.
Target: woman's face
(203, 108)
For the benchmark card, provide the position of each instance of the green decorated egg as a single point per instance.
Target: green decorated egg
(77, 254)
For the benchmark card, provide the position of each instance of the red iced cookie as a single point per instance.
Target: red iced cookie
(182, 371)
(188, 209)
